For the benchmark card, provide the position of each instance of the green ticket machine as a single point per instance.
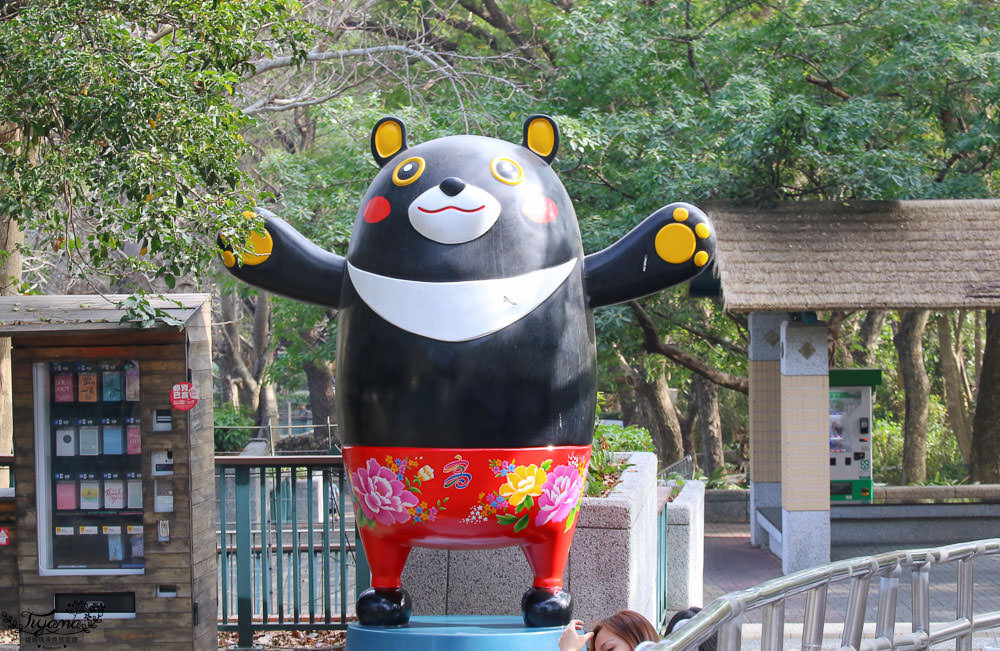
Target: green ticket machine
(851, 394)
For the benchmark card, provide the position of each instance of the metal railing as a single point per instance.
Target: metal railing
(285, 544)
(662, 611)
(281, 431)
(725, 616)
(683, 467)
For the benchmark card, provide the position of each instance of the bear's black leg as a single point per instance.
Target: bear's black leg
(384, 607)
(543, 607)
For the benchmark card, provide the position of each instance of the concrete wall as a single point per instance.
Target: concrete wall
(612, 564)
(901, 515)
(913, 525)
(686, 547)
(722, 505)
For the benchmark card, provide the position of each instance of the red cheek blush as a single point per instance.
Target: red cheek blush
(540, 209)
(376, 210)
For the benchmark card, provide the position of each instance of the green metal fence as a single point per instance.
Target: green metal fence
(286, 544)
(662, 613)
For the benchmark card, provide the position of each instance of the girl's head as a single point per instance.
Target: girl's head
(623, 631)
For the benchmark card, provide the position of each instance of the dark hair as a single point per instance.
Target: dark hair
(684, 615)
(629, 626)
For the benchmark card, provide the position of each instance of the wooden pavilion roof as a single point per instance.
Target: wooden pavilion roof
(52, 313)
(804, 256)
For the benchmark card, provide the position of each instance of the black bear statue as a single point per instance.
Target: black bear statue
(466, 372)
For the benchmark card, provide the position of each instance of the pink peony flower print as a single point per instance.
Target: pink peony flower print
(560, 493)
(381, 495)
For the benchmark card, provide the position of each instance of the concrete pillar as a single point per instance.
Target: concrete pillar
(805, 446)
(765, 418)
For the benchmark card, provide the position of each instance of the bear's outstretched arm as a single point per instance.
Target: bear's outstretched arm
(671, 246)
(283, 261)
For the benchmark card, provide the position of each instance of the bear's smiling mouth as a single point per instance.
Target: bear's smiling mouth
(469, 210)
(460, 310)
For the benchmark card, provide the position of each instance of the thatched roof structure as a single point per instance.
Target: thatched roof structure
(868, 254)
(46, 314)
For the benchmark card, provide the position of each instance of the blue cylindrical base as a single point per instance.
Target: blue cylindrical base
(454, 633)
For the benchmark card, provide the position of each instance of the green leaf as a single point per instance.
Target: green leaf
(546, 465)
(522, 523)
(506, 518)
(572, 518)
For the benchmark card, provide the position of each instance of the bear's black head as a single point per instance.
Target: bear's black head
(464, 207)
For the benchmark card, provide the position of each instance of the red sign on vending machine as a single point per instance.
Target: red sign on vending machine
(183, 396)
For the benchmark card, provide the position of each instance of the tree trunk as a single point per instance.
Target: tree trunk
(952, 372)
(322, 399)
(688, 428)
(916, 386)
(868, 338)
(267, 399)
(984, 465)
(977, 346)
(267, 414)
(836, 344)
(233, 355)
(657, 409)
(706, 399)
(11, 238)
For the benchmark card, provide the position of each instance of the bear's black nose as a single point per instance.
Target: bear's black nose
(452, 185)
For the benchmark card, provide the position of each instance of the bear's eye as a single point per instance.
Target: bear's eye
(507, 171)
(408, 171)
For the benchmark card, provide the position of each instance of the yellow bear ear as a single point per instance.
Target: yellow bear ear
(388, 139)
(541, 135)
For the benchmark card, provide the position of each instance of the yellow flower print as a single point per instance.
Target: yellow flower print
(425, 474)
(523, 482)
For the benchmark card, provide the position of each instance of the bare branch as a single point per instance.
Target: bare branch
(263, 65)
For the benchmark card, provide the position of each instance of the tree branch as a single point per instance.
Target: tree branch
(263, 65)
(704, 334)
(653, 344)
(826, 84)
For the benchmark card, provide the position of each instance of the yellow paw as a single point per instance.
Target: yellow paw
(677, 242)
(257, 249)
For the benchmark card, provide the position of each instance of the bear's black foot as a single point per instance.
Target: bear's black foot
(384, 607)
(543, 607)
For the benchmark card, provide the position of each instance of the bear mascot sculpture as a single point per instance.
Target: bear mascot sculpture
(466, 374)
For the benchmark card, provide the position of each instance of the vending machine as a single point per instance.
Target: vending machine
(114, 544)
(851, 394)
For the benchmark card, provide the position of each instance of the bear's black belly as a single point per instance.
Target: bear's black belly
(530, 384)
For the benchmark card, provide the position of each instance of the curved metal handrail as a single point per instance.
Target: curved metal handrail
(725, 615)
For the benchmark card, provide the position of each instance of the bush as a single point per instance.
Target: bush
(944, 461)
(605, 468)
(229, 435)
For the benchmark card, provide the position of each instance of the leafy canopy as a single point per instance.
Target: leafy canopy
(117, 132)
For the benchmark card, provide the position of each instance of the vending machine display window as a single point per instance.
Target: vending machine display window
(88, 439)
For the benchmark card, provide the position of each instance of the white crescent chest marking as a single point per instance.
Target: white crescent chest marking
(457, 311)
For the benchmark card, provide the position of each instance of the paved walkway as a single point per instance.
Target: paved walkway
(731, 563)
